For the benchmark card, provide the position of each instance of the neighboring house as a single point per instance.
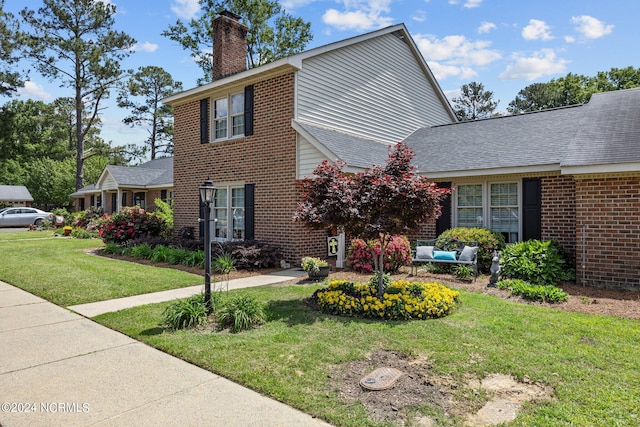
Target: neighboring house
(14, 195)
(120, 186)
(570, 174)
(255, 132)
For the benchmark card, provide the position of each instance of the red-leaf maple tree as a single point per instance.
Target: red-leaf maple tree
(372, 205)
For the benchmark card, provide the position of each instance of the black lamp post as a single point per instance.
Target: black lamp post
(207, 195)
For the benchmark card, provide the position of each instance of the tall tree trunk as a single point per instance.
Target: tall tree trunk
(79, 140)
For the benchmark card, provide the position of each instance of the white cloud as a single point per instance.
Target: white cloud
(472, 3)
(590, 27)
(360, 15)
(542, 63)
(485, 27)
(537, 30)
(290, 5)
(33, 90)
(455, 55)
(185, 9)
(419, 16)
(145, 47)
(569, 39)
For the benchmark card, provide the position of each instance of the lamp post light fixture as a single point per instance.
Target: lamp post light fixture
(207, 196)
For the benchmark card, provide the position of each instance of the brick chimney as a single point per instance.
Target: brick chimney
(229, 45)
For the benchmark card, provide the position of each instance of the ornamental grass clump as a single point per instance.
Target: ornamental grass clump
(402, 300)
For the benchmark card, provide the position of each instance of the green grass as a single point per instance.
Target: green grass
(60, 270)
(590, 361)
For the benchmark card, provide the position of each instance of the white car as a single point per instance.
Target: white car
(23, 217)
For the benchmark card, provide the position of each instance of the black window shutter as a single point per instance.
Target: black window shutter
(249, 212)
(248, 110)
(204, 121)
(531, 209)
(444, 220)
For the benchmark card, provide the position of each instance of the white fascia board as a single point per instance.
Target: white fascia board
(491, 172)
(254, 74)
(600, 169)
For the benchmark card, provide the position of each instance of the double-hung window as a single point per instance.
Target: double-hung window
(494, 205)
(228, 122)
(229, 213)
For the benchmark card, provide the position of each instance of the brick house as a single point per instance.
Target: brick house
(120, 186)
(254, 131)
(571, 174)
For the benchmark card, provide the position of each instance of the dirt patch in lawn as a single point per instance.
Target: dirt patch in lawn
(488, 401)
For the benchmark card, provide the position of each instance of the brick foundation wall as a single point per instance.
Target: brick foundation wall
(607, 232)
(267, 159)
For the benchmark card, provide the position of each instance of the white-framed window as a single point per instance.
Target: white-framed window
(495, 205)
(229, 213)
(228, 122)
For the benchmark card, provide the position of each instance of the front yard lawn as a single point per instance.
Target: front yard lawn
(60, 270)
(588, 361)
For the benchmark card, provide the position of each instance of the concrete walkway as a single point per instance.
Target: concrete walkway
(95, 308)
(58, 368)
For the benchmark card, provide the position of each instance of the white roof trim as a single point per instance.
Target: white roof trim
(604, 168)
(490, 172)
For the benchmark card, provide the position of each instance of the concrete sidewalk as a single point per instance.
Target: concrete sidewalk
(95, 308)
(58, 368)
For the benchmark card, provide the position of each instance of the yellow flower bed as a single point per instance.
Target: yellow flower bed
(402, 300)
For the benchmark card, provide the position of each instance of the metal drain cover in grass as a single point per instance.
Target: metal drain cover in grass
(381, 379)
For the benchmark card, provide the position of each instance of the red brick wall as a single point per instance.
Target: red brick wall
(267, 159)
(608, 232)
(558, 215)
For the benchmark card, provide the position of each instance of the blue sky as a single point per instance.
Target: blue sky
(504, 44)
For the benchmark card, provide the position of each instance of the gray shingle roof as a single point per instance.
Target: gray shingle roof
(15, 193)
(609, 131)
(604, 131)
(153, 173)
(539, 138)
(353, 150)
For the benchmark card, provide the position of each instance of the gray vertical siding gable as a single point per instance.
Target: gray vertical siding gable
(376, 89)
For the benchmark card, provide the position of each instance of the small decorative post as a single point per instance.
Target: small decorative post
(495, 270)
(207, 195)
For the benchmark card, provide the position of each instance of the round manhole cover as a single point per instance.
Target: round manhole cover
(381, 379)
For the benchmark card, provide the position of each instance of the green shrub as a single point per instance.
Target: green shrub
(143, 251)
(532, 292)
(128, 224)
(186, 313)
(161, 253)
(397, 254)
(112, 249)
(488, 241)
(224, 264)
(463, 272)
(535, 261)
(194, 259)
(81, 233)
(164, 210)
(240, 313)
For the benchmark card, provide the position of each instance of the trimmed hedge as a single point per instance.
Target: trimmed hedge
(488, 241)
